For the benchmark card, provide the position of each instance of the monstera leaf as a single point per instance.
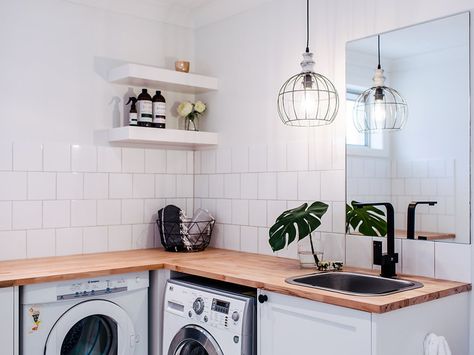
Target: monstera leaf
(300, 221)
(368, 220)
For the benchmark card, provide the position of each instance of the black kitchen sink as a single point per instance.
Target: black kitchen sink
(354, 283)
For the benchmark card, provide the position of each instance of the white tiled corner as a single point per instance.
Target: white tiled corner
(69, 241)
(309, 185)
(95, 239)
(5, 215)
(27, 214)
(201, 186)
(83, 158)
(208, 162)
(249, 239)
(224, 211)
(143, 236)
(6, 156)
(70, 186)
(56, 214)
(232, 237)
(132, 211)
(176, 162)
(56, 157)
(120, 237)
(40, 243)
(155, 161)
(109, 212)
(143, 186)
(240, 212)
(120, 186)
(13, 186)
(96, 186)
(133, 160)
(190, 162)
(418, 257)
(263, 244)
(83, 213)
(333, 185)
(224, 162)
(27, 156)
(240, 159)
(109, 159)
(258, 213)
(13, 245)
(359, 251)
(216, 186)
(249, 185)
(453, 261)
(184, 186)
(287, 185)
(41, 186)
(267, 186)
(297, 156)
(258, 158)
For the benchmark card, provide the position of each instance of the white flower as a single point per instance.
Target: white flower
(200, 106)
(185, 108)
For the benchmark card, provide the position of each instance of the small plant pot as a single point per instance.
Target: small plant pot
(308, 259)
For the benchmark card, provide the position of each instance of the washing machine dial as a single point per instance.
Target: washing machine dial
(198, 305)
(235, 316)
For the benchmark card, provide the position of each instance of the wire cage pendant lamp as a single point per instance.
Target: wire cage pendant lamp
(379, 108)
(307, 99)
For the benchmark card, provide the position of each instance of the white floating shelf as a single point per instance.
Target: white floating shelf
(163, 79)
(162, 137)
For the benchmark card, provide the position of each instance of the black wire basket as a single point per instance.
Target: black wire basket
(179, 236)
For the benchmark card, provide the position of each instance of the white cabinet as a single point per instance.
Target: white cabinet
(9, 320)
(291, 325)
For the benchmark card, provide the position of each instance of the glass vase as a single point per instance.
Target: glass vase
(191, 124)
(310, 252)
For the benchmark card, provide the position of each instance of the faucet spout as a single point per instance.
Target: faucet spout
(411, 216)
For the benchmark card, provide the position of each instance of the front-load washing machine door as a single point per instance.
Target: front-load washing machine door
(95, 327)
(194, 340)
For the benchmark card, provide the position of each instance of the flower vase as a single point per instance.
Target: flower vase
(191, 124)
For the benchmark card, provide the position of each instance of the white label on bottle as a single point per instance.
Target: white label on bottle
(159, 109)
(133, 118)
(160, 119)
(145, 113)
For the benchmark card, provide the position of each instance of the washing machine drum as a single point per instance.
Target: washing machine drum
(95, 327)
(194, 340)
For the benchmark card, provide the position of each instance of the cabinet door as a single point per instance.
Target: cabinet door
(292, 325)
(8, 320)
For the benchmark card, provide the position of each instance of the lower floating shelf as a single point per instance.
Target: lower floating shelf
(162, 137)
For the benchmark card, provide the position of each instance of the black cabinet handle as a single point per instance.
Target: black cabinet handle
(262, 298)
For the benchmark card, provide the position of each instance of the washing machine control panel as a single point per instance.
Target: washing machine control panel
(217, 310)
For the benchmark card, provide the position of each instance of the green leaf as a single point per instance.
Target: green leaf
(297, 222)
(368, 220)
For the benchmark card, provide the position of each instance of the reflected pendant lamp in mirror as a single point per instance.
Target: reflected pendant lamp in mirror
(379, 108)
(308, 98)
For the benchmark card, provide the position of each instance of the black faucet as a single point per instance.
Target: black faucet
(388, 260)
(411, 216)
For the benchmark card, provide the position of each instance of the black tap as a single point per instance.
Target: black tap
(411, 216)
(388, 260)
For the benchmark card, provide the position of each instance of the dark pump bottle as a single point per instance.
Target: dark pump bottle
(145, 110)
(133, 115)
(159, 110)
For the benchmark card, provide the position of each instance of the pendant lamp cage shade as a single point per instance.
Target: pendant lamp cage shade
(307, 99)
(379, 108)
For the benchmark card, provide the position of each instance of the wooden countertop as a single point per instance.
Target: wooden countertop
(400, 233)
(258, 271)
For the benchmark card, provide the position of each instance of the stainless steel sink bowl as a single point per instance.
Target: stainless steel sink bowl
(354, 284)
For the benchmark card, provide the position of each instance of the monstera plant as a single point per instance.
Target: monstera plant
(297, 223)
(368, 220)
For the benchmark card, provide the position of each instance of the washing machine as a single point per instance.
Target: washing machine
(102, 315)
(208, 318)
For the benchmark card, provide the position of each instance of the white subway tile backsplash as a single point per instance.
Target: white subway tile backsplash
(27, 156)
(258, 213)
(133, 160)
(40, 243)
(418, 257)
(120, 237)
(83, 213)
(143, 236)
(437, 168)
(83, 158)
(359, 251)
(56, 157)
(41, 186)
(121, 186)
(338, 217)
(258, 158)
(249, 185)
(143, 185)
(109, 212)
(249, 239)
(287, 185)
(232, 237)
(224, 211)
(70, 186)
(217, 238)
(216, 186)
(332, 185)
(5, 215)
(232, 185)
(13, 186)
(201, 186)
(263, 244)
(109, 159)
(224, 160)
(13, 245)
(276, 157)
(132, 211)
(96, 186)
(267, 186)
(6, 156)
(240, 212)
(69, 241)
(274, 209)
(297, 156)
(165, 186)
(176, 162)
(95, 239)
(333, 246)
(184, 186)
(27, 214)
(155, 161)
(56, 214)
(190, 162)
(208, 161)
(151, 208)
(309, 185)
(453, 261)
(240, 159)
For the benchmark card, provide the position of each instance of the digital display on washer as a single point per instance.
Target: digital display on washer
(220, 306)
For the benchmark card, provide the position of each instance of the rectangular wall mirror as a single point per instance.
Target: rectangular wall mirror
(428, 159)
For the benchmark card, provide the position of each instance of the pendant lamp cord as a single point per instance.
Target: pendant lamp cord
(378, 51)
(307, 26)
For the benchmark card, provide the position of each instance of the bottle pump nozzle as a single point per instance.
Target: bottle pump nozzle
(133, 100)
